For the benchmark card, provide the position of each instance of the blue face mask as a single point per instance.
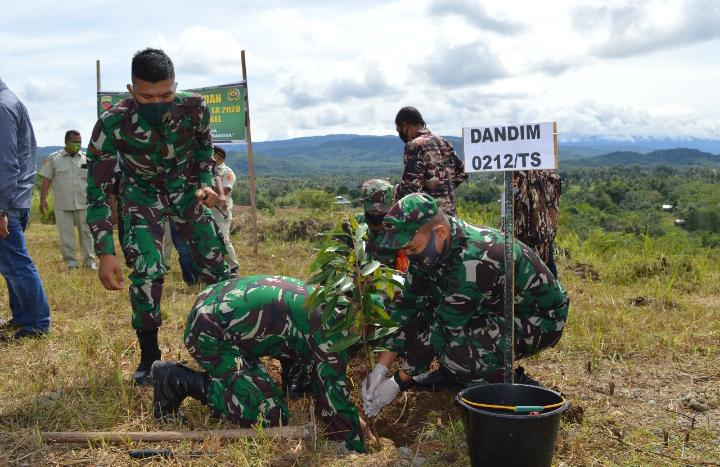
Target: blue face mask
(430, 257)
(154, 112)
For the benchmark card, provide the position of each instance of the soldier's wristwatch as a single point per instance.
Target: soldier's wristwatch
(3, 212)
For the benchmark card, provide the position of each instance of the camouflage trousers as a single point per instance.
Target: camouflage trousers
(235, 322)
(144, 217)
(474, 354)
(240, 388)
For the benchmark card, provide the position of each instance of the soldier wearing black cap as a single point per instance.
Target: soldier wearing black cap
(431, 164)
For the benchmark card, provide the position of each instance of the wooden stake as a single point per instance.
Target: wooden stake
(288, 432)
(251, 165)
(509, 290)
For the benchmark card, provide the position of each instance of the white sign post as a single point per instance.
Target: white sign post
(506, 148)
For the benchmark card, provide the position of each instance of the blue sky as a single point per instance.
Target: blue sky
(599, 68)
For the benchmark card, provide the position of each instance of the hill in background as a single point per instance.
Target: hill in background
(345, 154)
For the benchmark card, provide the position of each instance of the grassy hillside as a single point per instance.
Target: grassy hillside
(642, 342)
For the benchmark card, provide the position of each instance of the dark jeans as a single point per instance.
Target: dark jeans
(28, 302)
(190, 273)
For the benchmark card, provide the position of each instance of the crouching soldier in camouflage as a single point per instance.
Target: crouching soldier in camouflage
(377, 197)
(231, 326)
(452, 306)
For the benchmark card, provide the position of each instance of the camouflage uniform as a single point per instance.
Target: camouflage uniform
(432, 167)
(377, 197)
(455, 312)
(265, 316)
(161, 167)
(536, 200)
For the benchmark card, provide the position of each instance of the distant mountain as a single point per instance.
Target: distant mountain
(45, 151)
(571, 148)
(334, 154)
(673, 157)
(382, 155)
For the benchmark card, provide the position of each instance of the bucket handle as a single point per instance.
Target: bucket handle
(515, 408)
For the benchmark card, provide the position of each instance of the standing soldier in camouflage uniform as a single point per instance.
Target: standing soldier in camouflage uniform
(68, 169)
(452, 306)
(162, 141)
(536, 201)
(231, 326)
(224, 218)
(431, 164)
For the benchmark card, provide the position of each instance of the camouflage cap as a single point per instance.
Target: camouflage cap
(406, 217)
(377, 195)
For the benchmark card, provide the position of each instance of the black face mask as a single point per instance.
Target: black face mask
(430, 257)
(375, 219)
(154, 112)
(402, 136)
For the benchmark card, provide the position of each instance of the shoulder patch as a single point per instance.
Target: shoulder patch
(118, 111)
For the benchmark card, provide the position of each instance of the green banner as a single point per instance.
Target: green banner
(226, 104)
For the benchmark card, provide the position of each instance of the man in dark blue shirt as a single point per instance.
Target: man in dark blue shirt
(28, 302)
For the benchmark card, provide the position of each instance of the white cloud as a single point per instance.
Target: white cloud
(475, 13)
(367, 84)
(638, 28)
(461, 65)
(347, 67)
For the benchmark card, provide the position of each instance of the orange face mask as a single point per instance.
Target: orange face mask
(401, 261)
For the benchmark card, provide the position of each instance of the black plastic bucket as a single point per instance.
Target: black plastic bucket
(497, 437)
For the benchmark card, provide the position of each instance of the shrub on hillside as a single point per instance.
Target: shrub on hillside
(314, 199)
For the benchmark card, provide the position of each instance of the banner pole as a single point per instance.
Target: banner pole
(509, 295)
(251, 165)
(97, 74)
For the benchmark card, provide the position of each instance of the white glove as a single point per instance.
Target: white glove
(368, 385)
(385, 393)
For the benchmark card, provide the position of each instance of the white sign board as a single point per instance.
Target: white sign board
(526, 146)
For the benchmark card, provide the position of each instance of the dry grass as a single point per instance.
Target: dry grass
(627, 363)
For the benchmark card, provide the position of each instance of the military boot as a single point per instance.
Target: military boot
(435, 380)
(296, 380)
(172, 383)
(149, 352)
(520, 377)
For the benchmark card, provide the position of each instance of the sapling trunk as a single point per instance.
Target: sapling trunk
(344, 269)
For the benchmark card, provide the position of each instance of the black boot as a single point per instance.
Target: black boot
(520, 377)
(172, 383)
(296, 380)
(149, 352)
(435, 380)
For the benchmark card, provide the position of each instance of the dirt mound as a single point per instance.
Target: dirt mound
(585, 271)
(294, 230)
(287, 230)
(408, 416)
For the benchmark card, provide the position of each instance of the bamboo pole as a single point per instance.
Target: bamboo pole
(288, 432)
(251, 165)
